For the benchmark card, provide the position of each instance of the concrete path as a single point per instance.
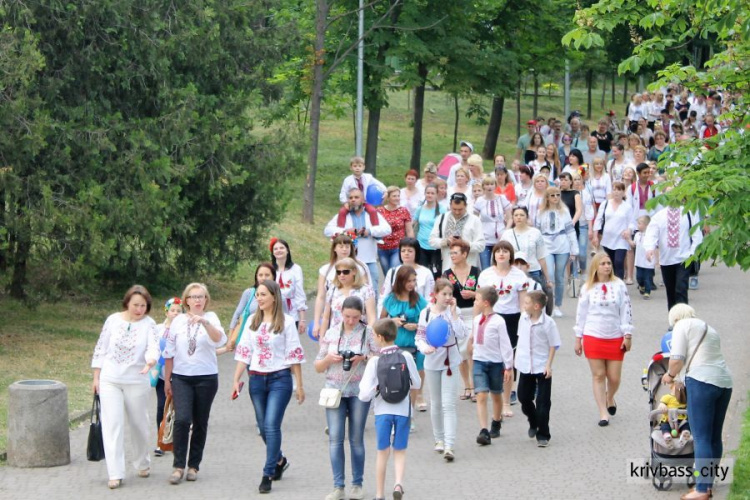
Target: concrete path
(582, 461)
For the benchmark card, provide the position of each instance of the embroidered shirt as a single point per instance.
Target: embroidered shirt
(266, 351)
(124, 348)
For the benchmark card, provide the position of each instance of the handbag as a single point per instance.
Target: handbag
(330, 397)
(166, 429)
(95, 446)
(574, 287)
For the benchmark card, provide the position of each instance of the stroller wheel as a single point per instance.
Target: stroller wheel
(661, 484)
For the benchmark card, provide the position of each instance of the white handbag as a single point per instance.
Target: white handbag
(574, 287)
(330, 397)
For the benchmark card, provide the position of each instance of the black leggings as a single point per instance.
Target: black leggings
(618, 261)
(511, 323)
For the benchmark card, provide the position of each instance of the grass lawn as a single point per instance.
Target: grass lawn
(741, 483)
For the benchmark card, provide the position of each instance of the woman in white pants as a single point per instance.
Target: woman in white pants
(127, 348)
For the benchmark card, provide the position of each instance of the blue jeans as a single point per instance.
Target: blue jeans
(270, 395)
(556, 264)
(388, 259)
(707, 407)
(356, 410)
(375, 275)
(485, 257)
(583, 248)
(645, 279)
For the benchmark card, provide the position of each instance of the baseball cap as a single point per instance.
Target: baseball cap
(521, 256)
(531, 122)
(467, 144)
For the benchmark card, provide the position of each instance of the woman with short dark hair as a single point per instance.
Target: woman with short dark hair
(128, 347)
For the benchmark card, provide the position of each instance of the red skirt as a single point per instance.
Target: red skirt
(609, 349)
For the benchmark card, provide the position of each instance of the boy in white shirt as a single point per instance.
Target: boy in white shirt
(359, 179)
(492, 354)
(389, 417)
(538, 339)
(644, 269)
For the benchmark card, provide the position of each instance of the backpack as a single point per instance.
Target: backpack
(394, 380)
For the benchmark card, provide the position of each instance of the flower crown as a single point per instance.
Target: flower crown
(350, 233)
(169, 303)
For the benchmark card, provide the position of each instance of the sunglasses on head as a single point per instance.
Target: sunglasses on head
(345, 272)
(458, 197)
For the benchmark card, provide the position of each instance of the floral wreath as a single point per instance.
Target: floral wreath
(350, 233)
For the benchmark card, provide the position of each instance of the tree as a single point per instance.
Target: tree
(130, 151)
(710, 177)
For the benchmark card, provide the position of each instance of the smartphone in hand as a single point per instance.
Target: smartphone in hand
(236, 394)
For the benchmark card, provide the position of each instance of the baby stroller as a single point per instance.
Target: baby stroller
(679, 454)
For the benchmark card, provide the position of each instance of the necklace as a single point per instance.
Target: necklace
(192, 338)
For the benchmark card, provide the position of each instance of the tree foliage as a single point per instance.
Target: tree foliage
(710, 177)
(129, 150)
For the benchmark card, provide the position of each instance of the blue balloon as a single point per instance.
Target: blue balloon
(437, 332)
(310, 331)
(666, 343)
(374, 196)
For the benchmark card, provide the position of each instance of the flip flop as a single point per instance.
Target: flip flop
(466, 395)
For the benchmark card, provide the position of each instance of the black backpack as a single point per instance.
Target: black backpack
(394, 380)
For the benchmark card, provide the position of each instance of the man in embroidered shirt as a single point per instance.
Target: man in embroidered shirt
(368, 226)
(538, 339)
(671, 231)
(458, 224)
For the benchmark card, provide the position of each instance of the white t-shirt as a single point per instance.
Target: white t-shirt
(509, 288)
(529, 242)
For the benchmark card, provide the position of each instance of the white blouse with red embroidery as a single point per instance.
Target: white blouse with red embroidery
(266, 351)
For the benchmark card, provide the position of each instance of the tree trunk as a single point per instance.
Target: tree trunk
(308, 212)
(604, 89)
(589, 84)
(457, 117)
(518, 108)
(536, 95)
(614, 75)
(625, 91)
(371, 144)
(493, 128)
(22, 237)
(416, 143)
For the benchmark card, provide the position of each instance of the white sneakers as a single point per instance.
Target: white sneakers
(355, 493)
(557, 313)
(439, 446)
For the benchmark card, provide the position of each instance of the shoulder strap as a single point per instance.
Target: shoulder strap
(690, 226)
(427, 315)
(604, 215)
(705, 331)
(516, 238)
(440, 226)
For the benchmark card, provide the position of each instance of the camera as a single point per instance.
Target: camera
(347, 355)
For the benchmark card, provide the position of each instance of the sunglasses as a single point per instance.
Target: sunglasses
(554, 195)
(345, 272)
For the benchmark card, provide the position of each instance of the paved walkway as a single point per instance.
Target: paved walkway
(583, 460)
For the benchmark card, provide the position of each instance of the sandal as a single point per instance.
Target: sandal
(398, 492)
(507, 413)
(473, 397)
(113, 484)
(421, 404)
(467, 393)
(144, 473)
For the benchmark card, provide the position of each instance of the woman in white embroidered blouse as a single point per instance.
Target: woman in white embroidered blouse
(535, 198)
(271, 352)
(343, 355)
(127, 349)
(291, 282)
(511, 284)
(604, 324)
(494, 211)
(614, 220)
(342, 247)
(191, 377)
(348, 282)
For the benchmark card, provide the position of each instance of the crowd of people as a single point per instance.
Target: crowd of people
(481, 262)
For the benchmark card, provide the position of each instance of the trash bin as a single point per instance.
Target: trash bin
(38, 434)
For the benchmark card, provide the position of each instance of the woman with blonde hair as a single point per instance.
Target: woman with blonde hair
(462, 185)
(558, 231)
(534, 199)
(271, 352)
(192, 377)
(612, 228)
(494, 211)
(604, 325)
(348, 282)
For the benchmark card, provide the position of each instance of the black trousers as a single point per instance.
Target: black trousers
(161, 398)
(537, 414)
(676, 279)
(432, 260)
(193, 397)
(618, 261)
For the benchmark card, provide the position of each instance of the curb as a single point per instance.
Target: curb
(75, 419)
